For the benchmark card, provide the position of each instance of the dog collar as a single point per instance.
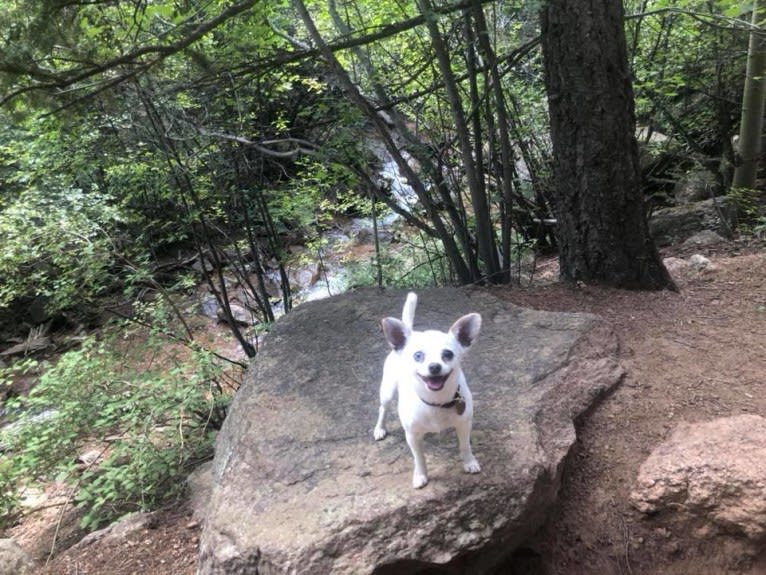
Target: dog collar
(457, 402)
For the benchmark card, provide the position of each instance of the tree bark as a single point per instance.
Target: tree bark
(601, 224)
(751, 122)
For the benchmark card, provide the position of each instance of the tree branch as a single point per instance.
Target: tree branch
(160, 51)
(350, 41)
(303, 146)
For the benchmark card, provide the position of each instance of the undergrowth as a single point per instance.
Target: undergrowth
(143, 418)
(751, 211)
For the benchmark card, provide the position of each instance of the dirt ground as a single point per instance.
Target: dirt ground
(690, 356)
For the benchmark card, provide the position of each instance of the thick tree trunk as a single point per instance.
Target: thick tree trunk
(602, 229)
(751, 122)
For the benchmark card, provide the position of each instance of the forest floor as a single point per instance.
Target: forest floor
(690, 356)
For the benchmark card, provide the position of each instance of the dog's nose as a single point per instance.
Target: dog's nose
(434, 368)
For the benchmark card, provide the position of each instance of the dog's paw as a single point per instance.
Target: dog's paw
(471, 466)
(379, 433)
(419, 480)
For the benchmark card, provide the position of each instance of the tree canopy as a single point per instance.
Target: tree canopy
(146, 125)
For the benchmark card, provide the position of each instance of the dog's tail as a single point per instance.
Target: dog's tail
(408, 313)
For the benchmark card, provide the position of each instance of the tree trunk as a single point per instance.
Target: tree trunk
(601, 224)
(751, 123)
(484, 232)
(355, 96)
(503, 128)
(420, 153)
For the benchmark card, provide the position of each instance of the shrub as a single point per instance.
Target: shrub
(750, 208)
(147, 423)
(55, 245)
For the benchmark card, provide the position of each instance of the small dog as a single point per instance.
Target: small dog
(424, 366)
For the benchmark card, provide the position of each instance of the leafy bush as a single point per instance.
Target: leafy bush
(55, 245)
(750, 208)
(8, 497)
(147, 425)
(412, 265)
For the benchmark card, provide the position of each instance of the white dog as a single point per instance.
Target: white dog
(424, 366)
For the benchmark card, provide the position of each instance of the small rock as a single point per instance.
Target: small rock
(209, 307)
(305, 276)
(240, 314)
(713, 472)
(88, 458)
(703, 239)
(672, 225)
(364, 236)
(119, 530)
(695, 186)
(700, 262)
(13, 559)
(675, 265)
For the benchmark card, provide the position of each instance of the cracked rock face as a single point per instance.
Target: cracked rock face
(711, 473)
(300, 486)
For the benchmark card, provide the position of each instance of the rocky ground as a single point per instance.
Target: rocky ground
(691, 356)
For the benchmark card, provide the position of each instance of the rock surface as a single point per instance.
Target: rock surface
(673, 225)
(117, 531)
(695, 186)
(302, 487)
(712, 474)
(199, 486)
(13, 559)
(705, 238)
(700, 262)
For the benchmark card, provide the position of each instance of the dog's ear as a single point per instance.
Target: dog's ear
(397, 333)
(466, 329)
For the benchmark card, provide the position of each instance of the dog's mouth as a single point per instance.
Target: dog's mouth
(434, 382)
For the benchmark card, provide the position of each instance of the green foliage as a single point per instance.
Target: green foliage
(56, 245)
(414, 265)
(148, 423)
(59, 231)
(9, 499)
(686, 74)
(750, 206)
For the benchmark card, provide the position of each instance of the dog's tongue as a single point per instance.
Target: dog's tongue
(436, 382)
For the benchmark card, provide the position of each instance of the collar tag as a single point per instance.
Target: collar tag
(457, 402)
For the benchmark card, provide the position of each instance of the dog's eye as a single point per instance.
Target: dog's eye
(419, 356)
(447, 355)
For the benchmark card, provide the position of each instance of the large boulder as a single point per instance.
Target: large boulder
(673, 225)
(711, 475)
(300, 486)
(695, 186)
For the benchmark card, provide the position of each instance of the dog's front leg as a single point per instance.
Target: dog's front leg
(380, 427)
(419, 475)
(470, 465)
(387, 392)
